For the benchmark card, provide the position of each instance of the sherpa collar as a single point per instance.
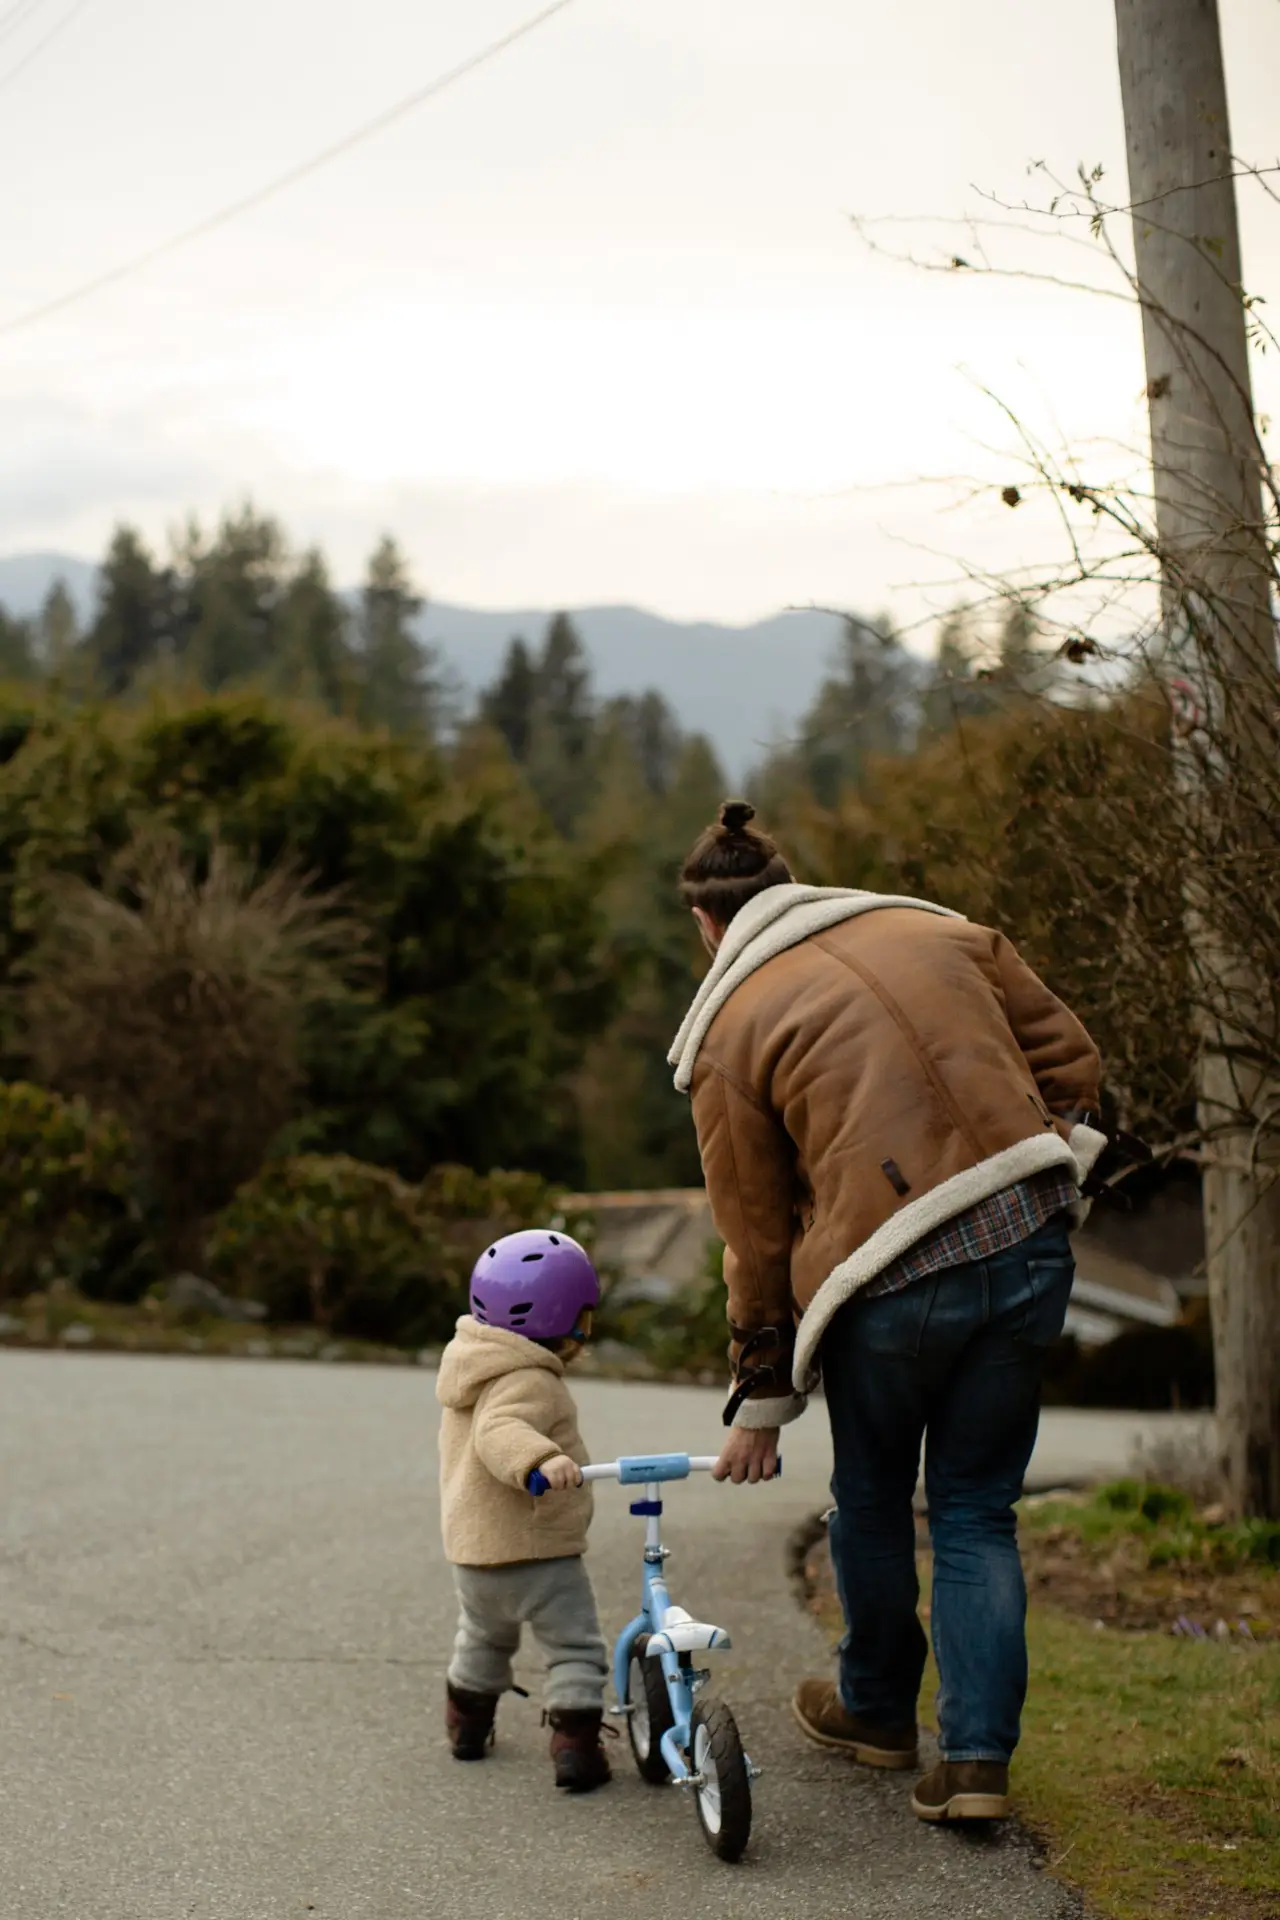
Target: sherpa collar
(776, 919)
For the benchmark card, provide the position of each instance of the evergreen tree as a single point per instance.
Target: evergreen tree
(560, 762)
(866, 708)
(399, 688)
(17, 654)
(653, 733)
(232, 589)
(541, 704)
(509, 705)
(135, 619)
(635, 1134)
(868, 705)
(313, 656)
(693, 799)
(57, 628)
(563, 686)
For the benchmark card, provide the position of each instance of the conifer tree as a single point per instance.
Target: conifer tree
(399, 686)
(135, 617)
(510, 704)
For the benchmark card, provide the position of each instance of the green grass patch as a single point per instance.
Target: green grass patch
(1164, 1523)
(1149, 1766)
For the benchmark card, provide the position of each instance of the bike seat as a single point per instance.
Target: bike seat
(681, 1633)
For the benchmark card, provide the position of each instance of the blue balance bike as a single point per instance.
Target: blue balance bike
(675, 1735)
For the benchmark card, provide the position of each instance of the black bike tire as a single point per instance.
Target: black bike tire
(729, 1841)
(652, 1767)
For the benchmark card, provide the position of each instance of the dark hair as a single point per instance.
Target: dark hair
(730, 864)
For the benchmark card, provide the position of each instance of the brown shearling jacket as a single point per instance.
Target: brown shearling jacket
(856, 1090)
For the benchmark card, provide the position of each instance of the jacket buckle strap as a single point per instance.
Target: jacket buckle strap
(745, 1386)
(780, 1337)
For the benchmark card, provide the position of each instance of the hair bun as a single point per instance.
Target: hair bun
(735, 814)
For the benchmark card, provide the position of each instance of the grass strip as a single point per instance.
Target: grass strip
(1149, 1767)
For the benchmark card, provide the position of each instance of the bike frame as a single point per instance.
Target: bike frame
(650, 1472)
(658, 1612)
(652, 1618)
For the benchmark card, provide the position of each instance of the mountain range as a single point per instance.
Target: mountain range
(741, 686)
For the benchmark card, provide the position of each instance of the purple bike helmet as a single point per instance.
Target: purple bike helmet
(536, 1283)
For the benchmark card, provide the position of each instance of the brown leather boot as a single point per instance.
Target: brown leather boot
(963, 1790)
(468, 1720)
(821, 1713)
(577, 1750)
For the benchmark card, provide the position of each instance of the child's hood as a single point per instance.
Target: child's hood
(476, 1355)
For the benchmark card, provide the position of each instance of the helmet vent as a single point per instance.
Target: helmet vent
(522, 1307)
(525, 1258)
(553, 1240)
(476, 1301)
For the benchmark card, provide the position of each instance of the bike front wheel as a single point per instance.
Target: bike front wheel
(723, 1795)
(650, 1716)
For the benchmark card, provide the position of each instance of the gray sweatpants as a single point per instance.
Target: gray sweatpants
(555, 1598)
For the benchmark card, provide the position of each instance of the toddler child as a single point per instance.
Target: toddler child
(516, 1558)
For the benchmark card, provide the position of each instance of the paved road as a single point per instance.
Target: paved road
(223, 1632)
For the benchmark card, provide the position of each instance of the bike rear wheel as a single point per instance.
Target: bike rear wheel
(723, 1797)
(650, 1716)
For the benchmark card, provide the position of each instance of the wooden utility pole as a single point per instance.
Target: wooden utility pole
(1208, 473)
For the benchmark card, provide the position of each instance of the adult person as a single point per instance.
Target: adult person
(895, 1118)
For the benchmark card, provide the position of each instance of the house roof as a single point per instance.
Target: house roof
(661, 1237)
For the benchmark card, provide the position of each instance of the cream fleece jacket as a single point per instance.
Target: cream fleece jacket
(507, 1408)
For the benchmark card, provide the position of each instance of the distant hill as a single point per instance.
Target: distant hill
(738, 685)
(25, 579)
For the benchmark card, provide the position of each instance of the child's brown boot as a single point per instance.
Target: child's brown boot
(468, 1719)
(577, 1750)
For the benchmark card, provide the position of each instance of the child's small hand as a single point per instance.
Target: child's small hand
(561, 1473)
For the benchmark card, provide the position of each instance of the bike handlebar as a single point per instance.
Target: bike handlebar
(642, 1469)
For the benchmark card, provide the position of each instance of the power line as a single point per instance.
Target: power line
(419, 98)
(17, 16)
(40, 45)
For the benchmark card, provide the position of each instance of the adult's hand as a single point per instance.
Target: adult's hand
(750, 1453)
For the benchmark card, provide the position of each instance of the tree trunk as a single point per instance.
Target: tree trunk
(1208, 473)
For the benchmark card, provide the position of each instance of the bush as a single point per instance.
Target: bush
(1169, 1530)
(1143, 1498)
(178, 997)
(66, 1188)
(361, 1253)
(488, 973)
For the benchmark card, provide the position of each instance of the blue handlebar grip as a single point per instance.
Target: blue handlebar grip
(777, 1468)
(538, 1482)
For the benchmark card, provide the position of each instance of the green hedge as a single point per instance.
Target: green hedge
(361, 1253)
(67, 1180)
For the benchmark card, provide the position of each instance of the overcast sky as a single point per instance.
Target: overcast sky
(592, 326)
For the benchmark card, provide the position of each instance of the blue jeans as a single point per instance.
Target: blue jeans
(959, 1355)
